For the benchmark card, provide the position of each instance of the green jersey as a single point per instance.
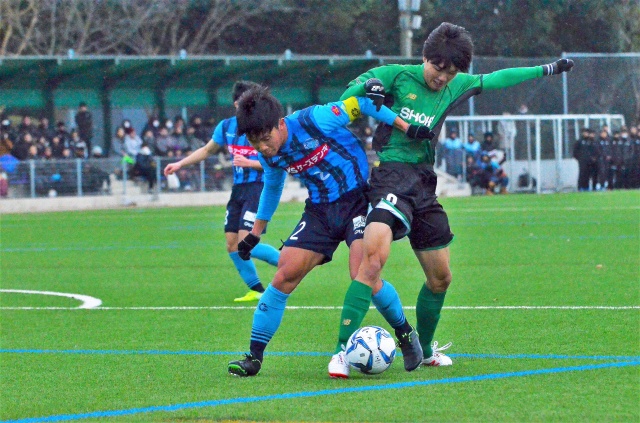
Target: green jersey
(416, 103)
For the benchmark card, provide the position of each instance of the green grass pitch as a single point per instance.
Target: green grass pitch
(543, 313)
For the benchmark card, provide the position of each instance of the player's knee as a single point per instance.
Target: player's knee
(371, 265)
(286, 279)
(440, 282)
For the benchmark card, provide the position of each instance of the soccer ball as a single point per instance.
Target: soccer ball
(371, 349)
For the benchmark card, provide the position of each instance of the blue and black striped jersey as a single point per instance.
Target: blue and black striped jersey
(225, 136)
(321, 152)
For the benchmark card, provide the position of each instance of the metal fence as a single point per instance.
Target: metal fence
(84, 177)
(540, 151)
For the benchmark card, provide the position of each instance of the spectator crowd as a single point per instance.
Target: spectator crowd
(608, 161)
(170, 139)
(480, 162)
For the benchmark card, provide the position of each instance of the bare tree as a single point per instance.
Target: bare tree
(142, 27)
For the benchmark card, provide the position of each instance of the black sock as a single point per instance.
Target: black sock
(258, 288)
(257, 350)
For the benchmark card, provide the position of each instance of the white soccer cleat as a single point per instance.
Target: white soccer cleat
(438, 359)
(338, 366)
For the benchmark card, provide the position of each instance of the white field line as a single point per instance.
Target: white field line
(87, 301)
(335, 308)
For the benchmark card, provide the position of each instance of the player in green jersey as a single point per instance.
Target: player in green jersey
(403, 187)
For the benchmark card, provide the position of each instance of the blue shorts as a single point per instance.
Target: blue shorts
(242, 207)
(324, 226)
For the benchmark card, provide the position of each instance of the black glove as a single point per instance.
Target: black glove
(246, 245)
(557, 67)
(375, 92)
(420, 132)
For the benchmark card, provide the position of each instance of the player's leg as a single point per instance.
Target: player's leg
(234, 232)
(430, 238)
(367, 286)
(246, 268)
(293, 266)
(371, 252)
(266, 253)
(435, 264)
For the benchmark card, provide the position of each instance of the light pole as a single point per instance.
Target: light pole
(408, 22)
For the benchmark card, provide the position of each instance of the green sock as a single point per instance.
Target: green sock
(356, 304)
(428, 314)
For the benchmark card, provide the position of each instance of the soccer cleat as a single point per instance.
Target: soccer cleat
(338, 366)
(249, 366)
(438, 359)
(249, 296)
(411, 350)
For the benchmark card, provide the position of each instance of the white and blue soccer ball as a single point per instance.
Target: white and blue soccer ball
(371, 350)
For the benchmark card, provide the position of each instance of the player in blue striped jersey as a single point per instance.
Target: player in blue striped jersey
(314, 146)
(245, 194)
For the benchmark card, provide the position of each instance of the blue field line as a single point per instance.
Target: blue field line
(171, 246)
(315, 354)
(310, 394)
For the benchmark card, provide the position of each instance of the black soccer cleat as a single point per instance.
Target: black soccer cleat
(411, 350)
(249, 366)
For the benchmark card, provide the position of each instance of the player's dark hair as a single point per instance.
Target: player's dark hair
(240, 87)
(449, 44)
(258, 112)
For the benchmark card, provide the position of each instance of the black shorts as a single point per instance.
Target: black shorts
(324, 226)
(242, 207)
(408, 192)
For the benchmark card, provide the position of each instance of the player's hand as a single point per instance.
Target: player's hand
(420, 132)
(171, 168)
(557, 67)
(246, 245)
(375, 92)
(241, 161)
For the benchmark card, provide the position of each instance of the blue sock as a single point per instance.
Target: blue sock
(266, 319)
(388, 304)
(247, 270)
(266, 252)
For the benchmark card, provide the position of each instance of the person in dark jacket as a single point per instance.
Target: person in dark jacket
(583, 152)
(84, 124)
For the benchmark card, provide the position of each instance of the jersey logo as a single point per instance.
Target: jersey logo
(309, 161)
(410, 115)
(412, 96)
(242, 151)
(335, 110)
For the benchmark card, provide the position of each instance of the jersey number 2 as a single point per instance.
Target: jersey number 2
(294, 235)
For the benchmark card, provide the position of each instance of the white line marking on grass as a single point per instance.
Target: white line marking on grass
(332, 307)
(87, 301)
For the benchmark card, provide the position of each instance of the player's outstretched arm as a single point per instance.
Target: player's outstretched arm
(196, 157)
(512, 76)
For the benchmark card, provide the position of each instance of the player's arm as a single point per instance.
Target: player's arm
(273, 179)
(512, 76)
(269, 198)
(340, 113)
(197, 156)
(242, 161)
(386, 75)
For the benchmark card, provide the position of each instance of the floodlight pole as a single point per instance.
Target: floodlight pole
(408, 21)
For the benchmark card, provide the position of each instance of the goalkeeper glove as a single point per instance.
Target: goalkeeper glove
(375, 92)
(246, 245)
(420, 132)
(557, 67)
